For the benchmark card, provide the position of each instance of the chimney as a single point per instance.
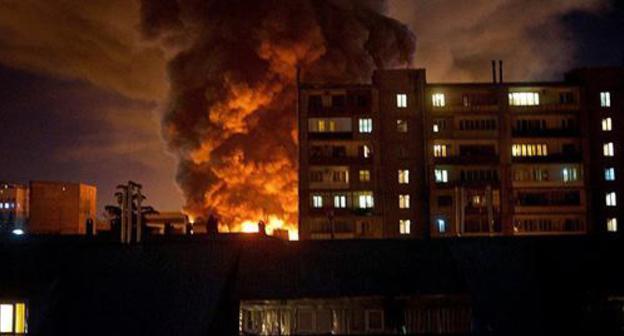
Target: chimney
(500, 71)
(494, 71)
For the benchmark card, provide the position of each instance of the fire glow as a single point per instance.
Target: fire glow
(231, 118)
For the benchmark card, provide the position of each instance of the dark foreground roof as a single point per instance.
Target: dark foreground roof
(190, 286)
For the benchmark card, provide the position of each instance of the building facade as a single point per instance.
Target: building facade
(60, 207)
(13, 207)
(405, 158)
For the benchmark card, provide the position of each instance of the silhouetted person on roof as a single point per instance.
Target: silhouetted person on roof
(212, 225)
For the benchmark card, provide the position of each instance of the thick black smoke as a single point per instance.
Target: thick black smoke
(231, 114)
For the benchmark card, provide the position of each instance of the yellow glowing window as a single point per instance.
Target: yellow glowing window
(520, 150)
(523, 98)
(321, 125)
(606, 124)
(405, 226)
(364, 175)
(404, 201)
(13, 318)
(612, 224)
(607, 149)
(438, 100)
(439, 150)
(403, 176)
(332, 126)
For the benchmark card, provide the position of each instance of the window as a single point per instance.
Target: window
(317, 201)
(441, 175)
(610, 199)
(365, 200)
(609, 174)
(606, 124)
(405, 226)
(438, 100)
(607, 149)
(605, 99)
(569, 174)
(523, 98)
(374, 320)
(441, 223)
(365, 125)
(364, 175)
(401, 100)
(340, 201)
(365, 151)
(401, 125)
(404, 201)
(436, 128)
(439, 150)
(338, 101)
(520, 150)
(612, 224)
(13, 318)
(403, 176)
(340, 176)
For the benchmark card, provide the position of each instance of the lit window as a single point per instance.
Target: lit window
(405, 226)
(317, 201)
(605, 99)
(609, 174)
(366, 151)
(519, 150)
(438, 100)
(365, 201)
(610, 199)
(569, 174)
(606, 124)
(441, 223)
(612, 224)
(441, 175)
(320, 125)
(13, 318)
(436, 128)
(364, 175)
(6, 205)
(1, 205)
(403, 176)
(404, 201)
(401, 100)
(523, 98)
(366, 125)
(401, 125)
(439, 150)
(340, 201)
(607, 149)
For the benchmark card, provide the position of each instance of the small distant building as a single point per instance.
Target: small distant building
(157, 223)
(13, 207)
(61, 207)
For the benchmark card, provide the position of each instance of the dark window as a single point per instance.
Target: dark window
(362, 100)
(477, 150)
(338, 101)
(445, 201)
(315, 101)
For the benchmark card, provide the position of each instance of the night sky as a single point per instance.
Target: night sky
(82, 114)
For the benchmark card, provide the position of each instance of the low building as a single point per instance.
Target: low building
(13, 207)
(61, 207)
(157, 223)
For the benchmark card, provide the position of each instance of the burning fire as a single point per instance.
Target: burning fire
(231, 117)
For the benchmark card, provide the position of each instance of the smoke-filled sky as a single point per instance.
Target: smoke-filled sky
(84, 85)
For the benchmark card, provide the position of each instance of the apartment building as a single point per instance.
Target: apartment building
(13, 207)
(361, 158)
(401, 157)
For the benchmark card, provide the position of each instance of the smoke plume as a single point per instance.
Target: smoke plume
(231, 116)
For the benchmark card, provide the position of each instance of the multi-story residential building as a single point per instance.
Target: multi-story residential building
(405, 158)
(360, 158)
(13, 207)
(61, 208)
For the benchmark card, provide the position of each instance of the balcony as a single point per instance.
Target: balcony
(479, 225)
(467, 159)
(330, 135)
(487, 109)
(568, 157)
(545, 108)
(546, 133)
(339, 160)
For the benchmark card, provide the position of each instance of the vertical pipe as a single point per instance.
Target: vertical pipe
(494, 71)
(129, 193)
(500, 71)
